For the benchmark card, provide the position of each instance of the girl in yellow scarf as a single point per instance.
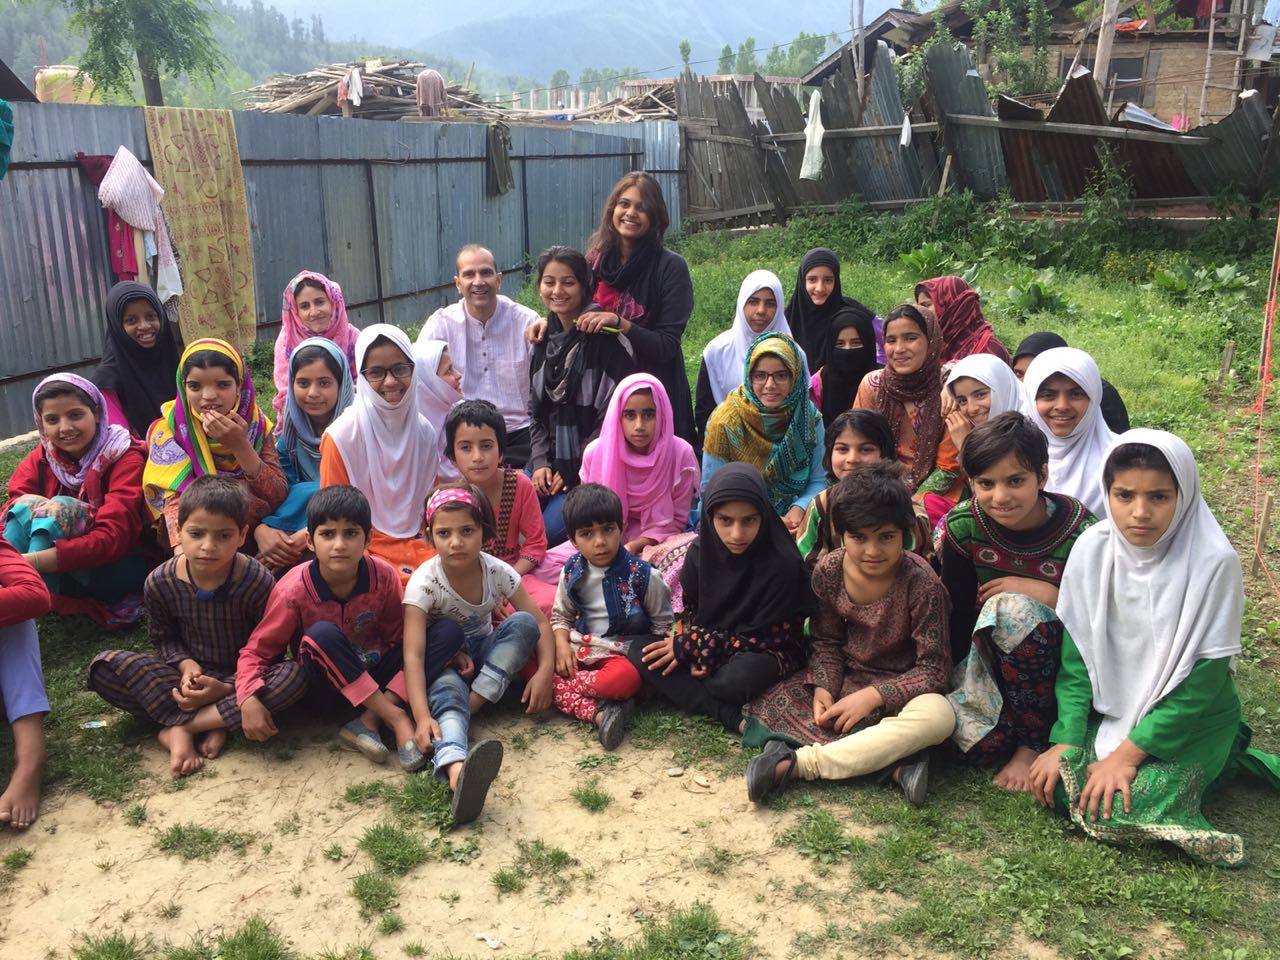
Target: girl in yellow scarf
(212, 426)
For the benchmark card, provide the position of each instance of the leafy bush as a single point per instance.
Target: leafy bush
(1032, 293)
(1203, 283)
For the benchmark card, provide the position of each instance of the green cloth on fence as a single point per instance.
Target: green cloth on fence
(6, 136)
(501, 178)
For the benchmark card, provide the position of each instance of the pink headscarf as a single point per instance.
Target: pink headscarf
(293, 331)
(657, 485)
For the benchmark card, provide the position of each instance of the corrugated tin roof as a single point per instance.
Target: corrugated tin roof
(1238, 158)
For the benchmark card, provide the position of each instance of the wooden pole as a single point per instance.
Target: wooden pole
(1106, 34)
(1228, 355)
(942, 188)
(1260, 545)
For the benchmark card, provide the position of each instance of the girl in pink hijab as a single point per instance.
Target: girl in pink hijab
(312, 306)
(638, 456)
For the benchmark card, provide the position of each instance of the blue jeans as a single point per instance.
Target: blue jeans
(498, 657)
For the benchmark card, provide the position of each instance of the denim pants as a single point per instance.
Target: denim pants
(498, 657)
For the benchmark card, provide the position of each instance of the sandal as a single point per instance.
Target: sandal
(356, 736)
(762, 777)
(478, 773)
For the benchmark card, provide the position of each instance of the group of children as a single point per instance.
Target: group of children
(892, 542)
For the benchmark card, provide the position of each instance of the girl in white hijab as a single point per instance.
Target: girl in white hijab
(439, 388)
(760, 310)
(385, 447)
(1062, 393)
(990, 390)
(1148, 714)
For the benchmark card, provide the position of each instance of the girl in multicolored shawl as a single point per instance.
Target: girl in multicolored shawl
(1149, 718)
(312, 306)
(572, 373)
(212, 426)
(770, 423)
(75, 503)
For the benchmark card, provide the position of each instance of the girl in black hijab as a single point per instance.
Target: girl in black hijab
(139, 356)
(746, 597)
(810, 320)
(846, 364)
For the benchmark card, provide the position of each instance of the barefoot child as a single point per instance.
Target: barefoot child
(1003, 553)
(341, 616)
(1149, 718)
(463, 584)
(871, 698)
(607, 601)
(746, 598)
(23, 597)
(202, 604)
(476, 442)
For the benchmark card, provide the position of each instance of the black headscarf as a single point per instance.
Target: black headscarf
(844, 369)
(141, 378)
(748, 593)
(1037, 344)
(809, 322)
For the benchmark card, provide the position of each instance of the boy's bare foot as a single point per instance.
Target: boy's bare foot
(20, 803)
(1016, 774)
(453, 772)
(213, 743)
(184, 759)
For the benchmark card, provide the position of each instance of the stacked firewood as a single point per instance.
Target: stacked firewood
(389, 92)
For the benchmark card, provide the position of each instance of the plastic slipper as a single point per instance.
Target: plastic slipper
(356, 736)
(615, 719)
(478, 773)
(762, 778)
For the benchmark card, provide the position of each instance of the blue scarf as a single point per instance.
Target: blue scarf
(297, 435)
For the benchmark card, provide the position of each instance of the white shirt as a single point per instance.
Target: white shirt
(493, 356)
(429, 590)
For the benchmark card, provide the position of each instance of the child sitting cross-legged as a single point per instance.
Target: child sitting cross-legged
(607, 600)
(871, 698)
(341, 616)
(463, 584)
(202, 605)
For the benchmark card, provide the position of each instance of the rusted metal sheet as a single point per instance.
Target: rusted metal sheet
(1237, 160)
(956, 88)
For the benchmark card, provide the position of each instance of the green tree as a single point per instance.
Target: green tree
(726, 60)
(746, 64)
(559, 84)
(686, 51)
(173, 35)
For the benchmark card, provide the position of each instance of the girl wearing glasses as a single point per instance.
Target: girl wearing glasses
(770, 423)
(386, 448)
(906, 391)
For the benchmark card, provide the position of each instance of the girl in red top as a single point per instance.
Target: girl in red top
(75, 504)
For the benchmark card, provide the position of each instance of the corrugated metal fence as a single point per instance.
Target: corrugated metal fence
(381, 207)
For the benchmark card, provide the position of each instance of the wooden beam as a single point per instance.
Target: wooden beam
(1081, 130)
(843, 133)
(1106, 35)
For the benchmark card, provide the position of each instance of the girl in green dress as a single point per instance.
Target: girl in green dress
(1149, 719)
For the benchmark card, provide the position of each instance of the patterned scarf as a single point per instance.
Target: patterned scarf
(178, 450)
(293, 331)
(924, 389)
(779, 443)
(110, 441)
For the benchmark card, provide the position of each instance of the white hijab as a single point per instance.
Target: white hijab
(1006, 391)
(1143, 616)
(389, 451)
(1075, 461)
(727, 351)
(435, 397)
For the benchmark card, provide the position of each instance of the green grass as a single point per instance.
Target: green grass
(375, 892)
(394, 849)
(257, 939)
(190, 841)
(591, 797)
(549, 866)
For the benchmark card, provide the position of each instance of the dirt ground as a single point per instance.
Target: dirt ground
(93, 872)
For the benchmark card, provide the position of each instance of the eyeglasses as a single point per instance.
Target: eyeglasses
(401, 371)
(759, 378)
